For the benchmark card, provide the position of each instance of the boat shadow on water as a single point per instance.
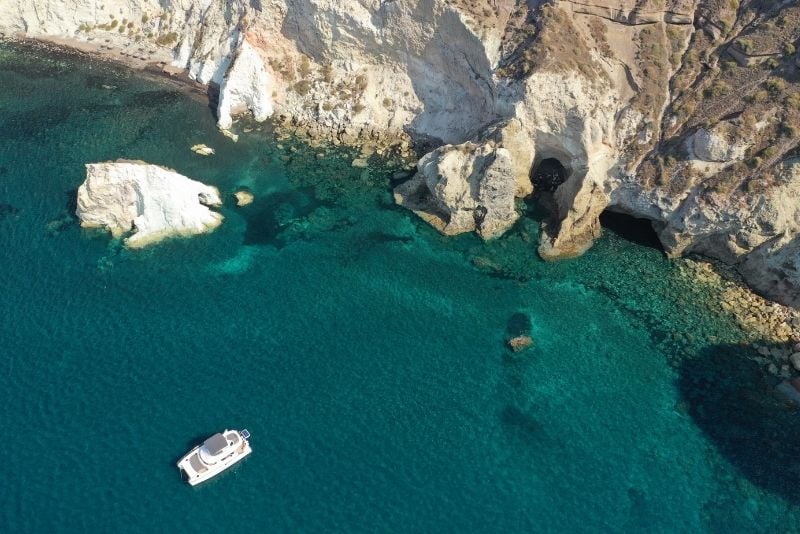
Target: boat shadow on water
(219, 478)
(735, 403)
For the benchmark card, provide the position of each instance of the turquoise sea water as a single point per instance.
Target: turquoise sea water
(364, 352)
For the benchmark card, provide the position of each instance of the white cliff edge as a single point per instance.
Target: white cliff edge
(153, 202)
(247, 86)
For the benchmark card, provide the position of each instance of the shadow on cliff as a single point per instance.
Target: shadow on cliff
(630, 228)
(733, 401)
(452, 80)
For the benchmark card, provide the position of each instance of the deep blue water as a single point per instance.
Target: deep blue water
(364, 352)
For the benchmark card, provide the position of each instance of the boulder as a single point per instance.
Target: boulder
(243, 197)
(718, 144)
(472, 186)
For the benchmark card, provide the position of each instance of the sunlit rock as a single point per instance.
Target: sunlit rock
(152, 202)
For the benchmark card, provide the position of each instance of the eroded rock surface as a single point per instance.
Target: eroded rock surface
(152, 202)
(718, 144)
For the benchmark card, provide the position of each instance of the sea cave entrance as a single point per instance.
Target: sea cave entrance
(548, 174)
(630, 228)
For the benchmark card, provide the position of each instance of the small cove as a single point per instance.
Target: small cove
(364, 351)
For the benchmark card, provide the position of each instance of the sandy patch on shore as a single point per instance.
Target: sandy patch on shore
(148, 58)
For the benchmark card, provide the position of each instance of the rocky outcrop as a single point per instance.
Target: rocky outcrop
(152, 202)
(472, 186)
(765, 245)
(774, 269)
(611, 133)
(246, 86)
(718, 145)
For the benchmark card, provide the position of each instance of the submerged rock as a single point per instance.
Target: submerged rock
(230, 135)
(153, 202)
(59, 224)
(7, 210)
(203, 150)
(520, 343)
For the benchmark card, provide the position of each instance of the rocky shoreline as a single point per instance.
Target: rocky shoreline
(760, 318)
(771, 329)
(650, 117)
(398, 148)
(770, 322)
(154, 63)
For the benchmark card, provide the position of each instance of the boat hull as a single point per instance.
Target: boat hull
(196, 471)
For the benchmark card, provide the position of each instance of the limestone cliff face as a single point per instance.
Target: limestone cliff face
(348, 68)
(682, 112)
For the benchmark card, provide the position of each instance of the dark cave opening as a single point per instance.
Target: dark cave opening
(634, 229)
(548, 175)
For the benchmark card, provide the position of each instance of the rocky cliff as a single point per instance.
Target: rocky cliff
(685, 113)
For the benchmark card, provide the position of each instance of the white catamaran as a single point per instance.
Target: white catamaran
(215, 455)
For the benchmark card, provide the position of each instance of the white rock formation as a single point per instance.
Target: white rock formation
(562, 116)
(380, 66)
(246, 86)
(151, 201)
(472, 186)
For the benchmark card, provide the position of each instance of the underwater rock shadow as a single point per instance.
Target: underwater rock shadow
(733, 402)
(519, 324)
(8, 211)
(71, 203)
(269, 216)
(156, 98)
(35, 122)
(524, 432)
(106, 82)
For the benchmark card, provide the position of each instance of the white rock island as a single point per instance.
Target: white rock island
(151, 201)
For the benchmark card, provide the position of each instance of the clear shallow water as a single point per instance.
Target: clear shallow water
(364, 352)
